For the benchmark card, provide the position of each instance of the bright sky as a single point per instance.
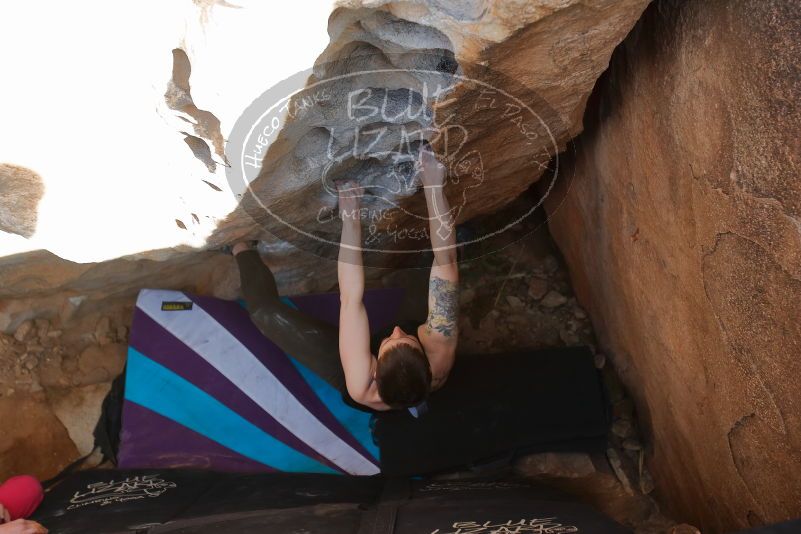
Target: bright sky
(82, 104)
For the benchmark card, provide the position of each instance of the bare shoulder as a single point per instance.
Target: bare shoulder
(372, 399)
(441, 354)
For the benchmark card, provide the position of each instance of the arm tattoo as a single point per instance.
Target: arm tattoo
(443, 306)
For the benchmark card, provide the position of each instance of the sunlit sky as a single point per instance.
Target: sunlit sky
(82, 104)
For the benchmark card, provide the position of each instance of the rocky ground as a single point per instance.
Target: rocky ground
(63, 336)
(52, 383)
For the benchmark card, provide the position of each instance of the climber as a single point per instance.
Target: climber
(407, 365)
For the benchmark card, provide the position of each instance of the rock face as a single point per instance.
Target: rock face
(164, 186)
(38, 443)
(681, 225)
(21, 190)
(498, 88)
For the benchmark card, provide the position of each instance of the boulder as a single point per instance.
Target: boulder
(78, 409)
(497, 90)
(552, 51)
(21, 190)
(680, 220)
(98, 363)
(164, 188)
(33, 441)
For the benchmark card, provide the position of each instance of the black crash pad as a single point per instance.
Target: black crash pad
(187, 502)
(500, 404)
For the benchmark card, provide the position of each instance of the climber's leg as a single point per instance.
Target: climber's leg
(313, 342)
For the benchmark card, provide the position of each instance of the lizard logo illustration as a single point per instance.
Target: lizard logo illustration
(546, 525)
(128, 489)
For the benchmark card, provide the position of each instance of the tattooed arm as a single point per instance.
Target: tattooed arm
(440, 333)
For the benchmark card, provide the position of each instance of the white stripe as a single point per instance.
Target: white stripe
(208, 338)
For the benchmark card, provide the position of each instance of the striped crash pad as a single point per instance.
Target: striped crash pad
(205, 389)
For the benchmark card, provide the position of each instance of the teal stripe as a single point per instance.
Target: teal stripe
(157, 388)
(355, 421)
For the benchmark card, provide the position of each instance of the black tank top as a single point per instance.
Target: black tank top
(410, 327)
(407, 325)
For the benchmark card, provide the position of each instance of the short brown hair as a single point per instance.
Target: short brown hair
(403, 376)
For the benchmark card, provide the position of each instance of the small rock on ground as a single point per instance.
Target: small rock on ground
(646, 483)
(122, 333)
(103, 330)
(599, 360)
(616, 463)
(537, 288)
(623, 409)
(514, 302)
(622, 428)
(42, 328)
(550, 263)
(22, 331)
(569, 338)
(551, 464)
(631, 444)
(553, 299)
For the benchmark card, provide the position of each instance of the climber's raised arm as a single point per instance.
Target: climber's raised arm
(442, 225)
(358, 363)
(440, 334)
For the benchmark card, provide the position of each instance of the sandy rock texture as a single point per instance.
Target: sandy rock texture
(165, 186)
(20, 192)
(681, 227)
(497, 87)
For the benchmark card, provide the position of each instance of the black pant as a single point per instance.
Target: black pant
(312, 342)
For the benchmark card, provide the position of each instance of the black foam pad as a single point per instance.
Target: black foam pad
(530, 401)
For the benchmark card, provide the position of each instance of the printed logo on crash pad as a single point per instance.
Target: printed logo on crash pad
(130, 489)
(176, 305)
(545, 525)
(453, 486)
